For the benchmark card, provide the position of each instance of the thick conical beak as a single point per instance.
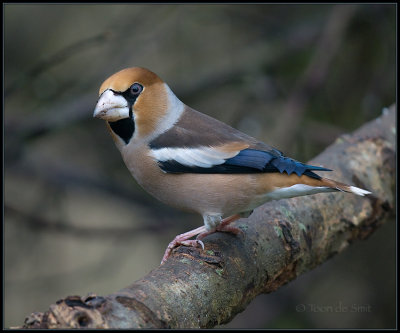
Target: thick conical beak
(111, 107)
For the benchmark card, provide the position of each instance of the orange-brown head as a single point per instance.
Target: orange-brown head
(136, 104)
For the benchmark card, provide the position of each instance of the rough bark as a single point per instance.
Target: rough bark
(281, 240)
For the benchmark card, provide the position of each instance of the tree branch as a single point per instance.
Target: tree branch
(282, 239)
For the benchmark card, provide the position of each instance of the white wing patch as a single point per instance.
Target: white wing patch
(203, 157)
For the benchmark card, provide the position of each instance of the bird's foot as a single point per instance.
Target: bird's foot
(223, 227)
(201, 232)
(183, 239)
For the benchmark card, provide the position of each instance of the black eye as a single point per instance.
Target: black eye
(135, 89)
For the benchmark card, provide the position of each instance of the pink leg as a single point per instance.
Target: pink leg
(183, 239)
(223, 227)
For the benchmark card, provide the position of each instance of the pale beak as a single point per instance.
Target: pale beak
(111, 107)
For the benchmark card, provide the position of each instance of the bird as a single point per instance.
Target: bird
(197, 163)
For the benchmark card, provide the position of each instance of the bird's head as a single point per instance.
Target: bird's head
(136, 103)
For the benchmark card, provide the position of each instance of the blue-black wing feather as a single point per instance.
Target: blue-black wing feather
(249, 161)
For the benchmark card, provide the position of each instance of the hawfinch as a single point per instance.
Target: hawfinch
(191, 161)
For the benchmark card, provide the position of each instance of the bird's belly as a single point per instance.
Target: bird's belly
(202, 193)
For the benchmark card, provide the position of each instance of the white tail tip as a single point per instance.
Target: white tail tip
(358, 191)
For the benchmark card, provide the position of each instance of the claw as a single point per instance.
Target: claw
(201, 232)
(183, 239)
(201, 243)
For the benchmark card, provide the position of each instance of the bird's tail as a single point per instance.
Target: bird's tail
(343, 187)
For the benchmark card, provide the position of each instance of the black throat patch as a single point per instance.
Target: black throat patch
(124, 128)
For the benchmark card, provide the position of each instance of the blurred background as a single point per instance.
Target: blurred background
(294, 76)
